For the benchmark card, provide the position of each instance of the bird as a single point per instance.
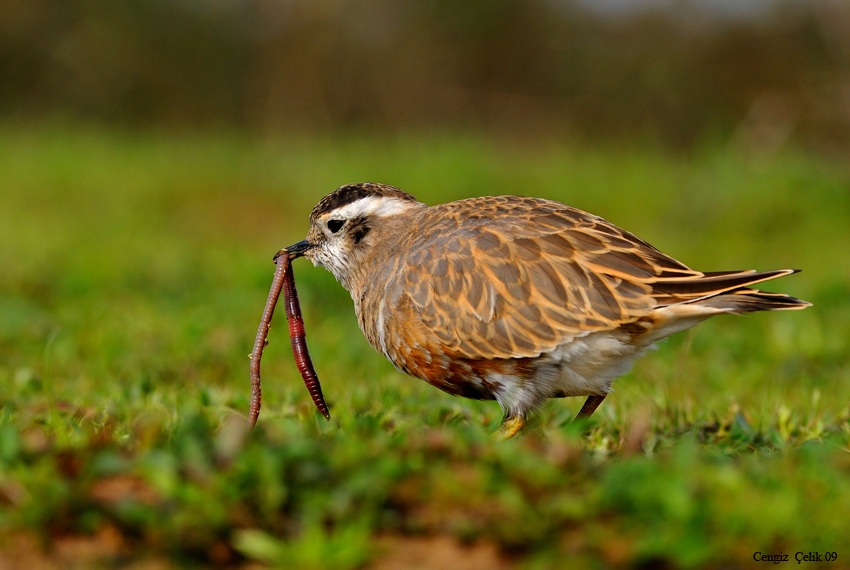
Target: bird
(513, 298)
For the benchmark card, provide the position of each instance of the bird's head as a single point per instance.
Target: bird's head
(348, 222)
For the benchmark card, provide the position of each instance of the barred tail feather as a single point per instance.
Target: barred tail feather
(726, 292)
(751, 300)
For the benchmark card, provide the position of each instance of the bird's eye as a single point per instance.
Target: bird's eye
(335, 225)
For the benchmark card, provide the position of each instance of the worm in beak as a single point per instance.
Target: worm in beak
(284, 279)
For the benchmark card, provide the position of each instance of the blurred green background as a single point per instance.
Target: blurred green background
(763, 71)
(154, 155)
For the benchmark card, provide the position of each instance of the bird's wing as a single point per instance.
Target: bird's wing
(512, 277)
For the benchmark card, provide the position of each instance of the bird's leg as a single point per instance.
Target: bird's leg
(510, 427)
(589, 407)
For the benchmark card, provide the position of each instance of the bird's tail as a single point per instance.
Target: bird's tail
(730, 293)
(751, 300)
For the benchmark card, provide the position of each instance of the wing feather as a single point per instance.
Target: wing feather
(532, 274)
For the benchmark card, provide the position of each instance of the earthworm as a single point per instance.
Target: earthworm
(284, 279)
(298, 338)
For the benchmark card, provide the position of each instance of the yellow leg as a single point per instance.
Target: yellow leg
(509, 428)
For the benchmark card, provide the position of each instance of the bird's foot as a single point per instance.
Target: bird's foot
(510, 427)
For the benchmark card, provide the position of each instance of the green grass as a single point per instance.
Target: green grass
(135, 268)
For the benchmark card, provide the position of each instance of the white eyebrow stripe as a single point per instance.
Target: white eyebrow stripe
(372, 206)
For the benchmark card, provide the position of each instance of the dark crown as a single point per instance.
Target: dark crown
(353, 192)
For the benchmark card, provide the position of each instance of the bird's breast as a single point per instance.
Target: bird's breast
(392, 326)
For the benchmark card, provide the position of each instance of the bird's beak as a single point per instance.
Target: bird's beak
(295, 250)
